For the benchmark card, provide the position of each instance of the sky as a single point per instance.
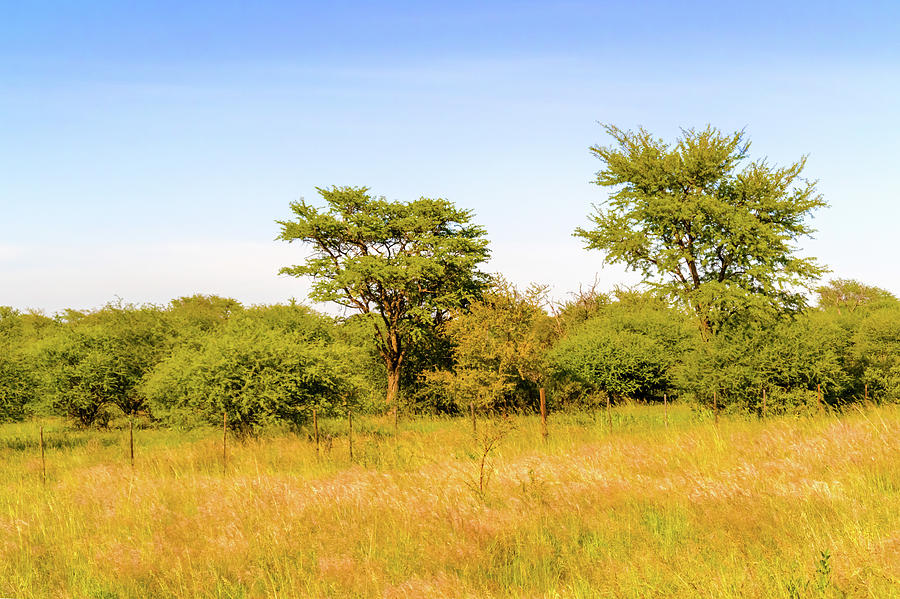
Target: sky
(147, 148)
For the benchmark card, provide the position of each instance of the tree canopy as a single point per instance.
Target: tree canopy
(702, 225)
(849, 294)
(498, 348)
(404, 264)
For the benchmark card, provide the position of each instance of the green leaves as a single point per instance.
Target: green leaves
(98, 359)
(500, 343)
(628, 349)
(621, 363)
(406, 264)
(713, 237)
(373, 255)
(18, 385)
(256, 373)
(876, 353)
(848, 295)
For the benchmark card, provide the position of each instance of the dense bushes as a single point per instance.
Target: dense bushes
(186, 363)
(18, 388)
(97, 360)
(875, 354)
(261, 368)
(626, 347)
(18, 376)
(183, 364)
(618, 363)
(638, 346)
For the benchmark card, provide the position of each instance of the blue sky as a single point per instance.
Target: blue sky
(146, 149)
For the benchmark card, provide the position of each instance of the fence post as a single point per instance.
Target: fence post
(716, 405)
(866, 393)
(608, 413)
(43, 461)
(316, 429)
(544, 432)
(350, 433)
(472, 411)
(819, 396)
(131, 440)
(224, 443)
(666, 407)
(764, 403)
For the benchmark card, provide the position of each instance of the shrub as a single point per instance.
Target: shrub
(96, 361)
(17, 384)
(619, 363)
(257, 375)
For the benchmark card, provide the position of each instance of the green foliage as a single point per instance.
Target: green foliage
(196, 314)
(97, 360)
(197, 357)
(628, 349)
(431, 352)
(788, 357)
(713, 236)
(20, 382)
(499, 347)
(805, 353)
(267, 365)
(846, 295)
(875, 354)
(10, 323)
(403, 264)
(619, 363)
(17, 384)
(586, 304)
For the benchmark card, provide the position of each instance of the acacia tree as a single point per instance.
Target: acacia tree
(702, 225)
(405, 265)
(850, 294)
(498, 346)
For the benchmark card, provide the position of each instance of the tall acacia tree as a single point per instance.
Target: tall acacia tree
(849, 294)
(405, 265)
(703, 224)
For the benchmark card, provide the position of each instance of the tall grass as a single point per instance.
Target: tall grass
(788, 507)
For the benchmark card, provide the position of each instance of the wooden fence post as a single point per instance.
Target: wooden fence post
(43, 461)
(764, 403)
(316, 429)
(350, 433)
(866, 393)
(131, 440)
(608, 413)
(819, 396)
(472, 411)
(224, 443)
(716, 405)
(544, 432)
(666, 407)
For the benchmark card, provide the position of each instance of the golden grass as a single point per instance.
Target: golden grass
(748, 509)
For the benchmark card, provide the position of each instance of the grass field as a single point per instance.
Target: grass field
(787, 507)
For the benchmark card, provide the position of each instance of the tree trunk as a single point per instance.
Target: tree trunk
(391, 350)
(393, 387)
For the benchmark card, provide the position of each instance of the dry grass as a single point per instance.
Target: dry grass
(750, 509)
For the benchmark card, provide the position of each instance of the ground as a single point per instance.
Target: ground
(783, 507)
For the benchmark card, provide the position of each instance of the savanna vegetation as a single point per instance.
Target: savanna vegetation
(727, 429)
(782, 507)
